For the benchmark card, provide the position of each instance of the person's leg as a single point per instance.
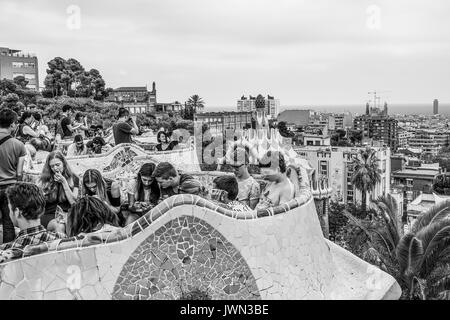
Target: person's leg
(9, 233)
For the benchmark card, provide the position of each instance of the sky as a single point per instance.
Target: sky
(303, 52)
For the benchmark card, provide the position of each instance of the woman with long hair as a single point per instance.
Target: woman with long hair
(60, 185)
(143, 193)
(90, 214)
(105, 189)
(164, 143)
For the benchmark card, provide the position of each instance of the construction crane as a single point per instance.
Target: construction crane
(376, 97)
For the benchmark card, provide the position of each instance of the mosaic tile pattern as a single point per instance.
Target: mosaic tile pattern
(120, 159)
(286, 254)
(185, 256)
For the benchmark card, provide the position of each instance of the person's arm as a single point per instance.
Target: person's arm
(255, 193)
(27, 130)
(135, 129)
(71, 150)
(19, 170)
(285, 196)
(73, 128)
(71, 195)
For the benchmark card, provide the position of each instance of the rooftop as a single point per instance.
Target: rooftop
(420, 171)
(131, 89)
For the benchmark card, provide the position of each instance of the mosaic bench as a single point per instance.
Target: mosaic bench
(188, 246)
(121, 161)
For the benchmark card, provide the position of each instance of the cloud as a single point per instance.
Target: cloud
(299, 50)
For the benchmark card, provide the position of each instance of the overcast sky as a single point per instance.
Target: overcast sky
(304, 52)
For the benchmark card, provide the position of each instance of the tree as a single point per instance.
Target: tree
(7, 86)
(284, 131)
(355, 136)
(192, 105)
(424, 255)
(383, 234)
(366, 174)
(70, 78)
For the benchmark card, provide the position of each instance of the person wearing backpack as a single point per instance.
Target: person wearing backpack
(12, 155)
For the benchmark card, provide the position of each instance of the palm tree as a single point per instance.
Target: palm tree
(419, 260)
(383, 233)
(424, 254)
(195, 102)
(366, 174)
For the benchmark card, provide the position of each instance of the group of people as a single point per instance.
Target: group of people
(60, 205)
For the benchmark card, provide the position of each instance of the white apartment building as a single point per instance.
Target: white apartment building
(249, 104)
(336, 164)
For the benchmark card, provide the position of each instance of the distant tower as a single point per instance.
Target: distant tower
(435, 106)
(154, 86)
(367, 109)
(385, 109)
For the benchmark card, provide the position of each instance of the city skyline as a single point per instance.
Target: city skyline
(222, 50)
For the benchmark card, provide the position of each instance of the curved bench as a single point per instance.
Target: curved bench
(120, 158)
(188, 244)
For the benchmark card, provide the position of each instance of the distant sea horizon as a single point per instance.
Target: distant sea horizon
(393, 109)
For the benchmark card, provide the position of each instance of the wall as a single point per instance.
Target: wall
(188, 245)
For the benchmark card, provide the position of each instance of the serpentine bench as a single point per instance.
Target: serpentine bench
(188, 245)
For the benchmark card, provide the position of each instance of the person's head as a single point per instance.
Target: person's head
(94, 184)
(37, 116)
(272, 165)
(32, 107)
(67, 109)
(89, 214)
(166, 175)
(123, 113)
(146, 181)
(79, 116)
(192, 187)
(37, 143)
(162, 137)
(144, 176)
(55, 163)
(90, 146)
(98, 143)
(26, 203)
(8, 119)
(27, 117)
(228, 184)
(240, 160)
(78, 140)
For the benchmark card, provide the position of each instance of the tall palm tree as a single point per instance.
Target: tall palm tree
(195, 102)
(424, 254)
(366, 174)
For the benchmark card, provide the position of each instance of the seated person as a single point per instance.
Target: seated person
(100, 146)
(143, 193)
(229, 187)
(279, 188)
(77, 148)
(81, 123)
(90, 214)
(249, 189)
(24, 131)
(60, 186)
(105, 189)
(170, 181)
(27, 205)
(41, 128)
(90, 147)
(163, 142)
